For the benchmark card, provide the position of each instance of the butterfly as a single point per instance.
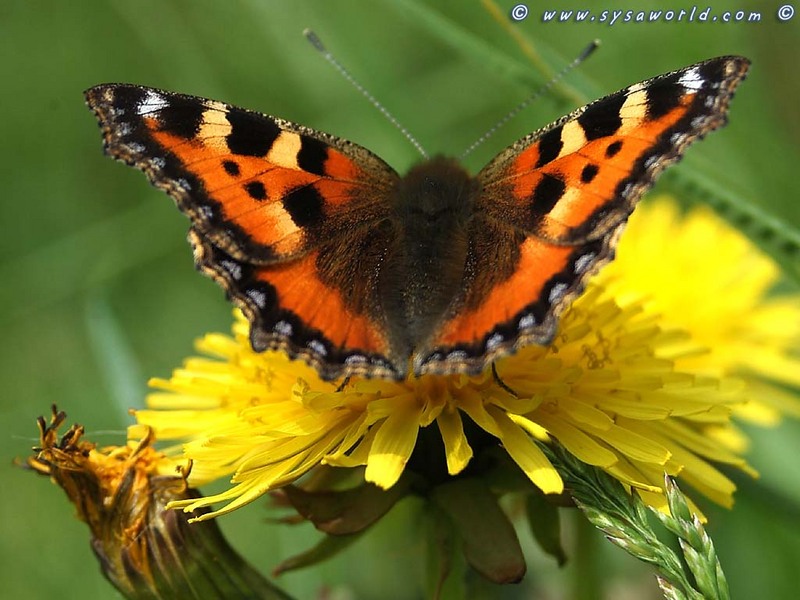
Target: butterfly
(338, 260)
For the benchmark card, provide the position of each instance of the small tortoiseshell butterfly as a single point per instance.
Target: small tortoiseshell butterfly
(338, 260)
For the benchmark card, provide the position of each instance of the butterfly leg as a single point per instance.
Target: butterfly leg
(344, 383)
(502, 383)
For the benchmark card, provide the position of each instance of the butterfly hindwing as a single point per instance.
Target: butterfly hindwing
(313, 307)
(528, 279)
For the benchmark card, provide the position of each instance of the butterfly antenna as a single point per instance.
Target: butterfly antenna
(317, 43)
(524, 104)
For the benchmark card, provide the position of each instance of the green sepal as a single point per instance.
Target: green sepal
(326, 548)
(545, 525)
(348, 511)
(489, 542)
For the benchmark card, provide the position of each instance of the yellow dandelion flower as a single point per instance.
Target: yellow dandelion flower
(703, 276)
(633, 383)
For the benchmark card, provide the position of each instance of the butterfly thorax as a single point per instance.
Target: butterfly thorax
(424, 266)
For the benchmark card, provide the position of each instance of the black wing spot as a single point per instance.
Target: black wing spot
(181, 117)
(589, 173)
(251, 135)
(231, 168)
(256, 190)
(613, 149)
(305, 206)
(603, 119)
(549, 146)
(662, 98)
(312, 156)
(548, 192)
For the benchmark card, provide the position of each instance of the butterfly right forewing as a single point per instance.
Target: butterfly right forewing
(558, 199)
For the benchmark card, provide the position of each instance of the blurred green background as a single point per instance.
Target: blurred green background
(98, 287)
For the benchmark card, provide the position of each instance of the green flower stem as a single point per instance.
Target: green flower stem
(588, 581)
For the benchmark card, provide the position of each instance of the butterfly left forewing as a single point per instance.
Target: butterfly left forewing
(261, 188)
(559, 199)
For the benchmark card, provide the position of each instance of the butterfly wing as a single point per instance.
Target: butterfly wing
(320, 307)
(552, 206)
(281, 216)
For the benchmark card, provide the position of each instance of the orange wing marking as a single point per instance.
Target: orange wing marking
(538, 262)
(300, 290)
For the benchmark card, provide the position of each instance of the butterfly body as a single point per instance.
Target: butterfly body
(340, 261)
(423, 271)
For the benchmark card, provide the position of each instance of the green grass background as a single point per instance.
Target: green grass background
(98, 288)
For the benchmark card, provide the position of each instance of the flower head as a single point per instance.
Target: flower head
(626, 385)
(705, 277)
(142, 548)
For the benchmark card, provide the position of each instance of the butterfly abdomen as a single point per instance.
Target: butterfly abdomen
(423, 273)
